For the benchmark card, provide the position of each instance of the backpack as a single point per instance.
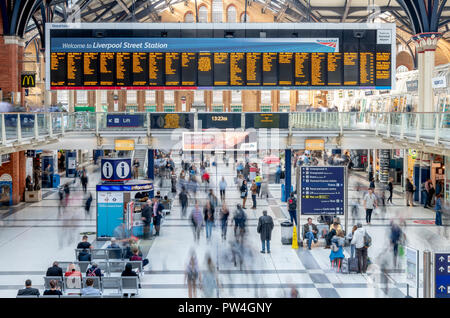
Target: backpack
(91, 272)
(367, 240)
(334, 247)
(292, 205)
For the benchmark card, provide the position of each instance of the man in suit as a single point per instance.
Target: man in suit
(28, 290)
(157, 214)
(55, 270)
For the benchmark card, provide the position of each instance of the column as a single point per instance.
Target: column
(71, 102)
(426, 44)
(98, 101)
(287, 178)
(151, 164)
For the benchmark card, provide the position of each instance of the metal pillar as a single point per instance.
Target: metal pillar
(150, 164)
(427, 274)
(287, 179)
(297, 189)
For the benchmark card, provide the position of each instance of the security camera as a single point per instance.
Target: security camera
(358, 34)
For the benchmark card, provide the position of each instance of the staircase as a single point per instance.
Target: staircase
(140, 155)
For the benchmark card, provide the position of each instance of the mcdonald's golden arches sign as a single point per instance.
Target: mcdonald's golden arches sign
(28, 80)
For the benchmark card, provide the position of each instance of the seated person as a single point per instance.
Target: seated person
(84, 243)
(89, 290)
(338, 252)
(334, 228)
(310, 232)
(28, 290)
(94, 270)
(55, 270)
(72, 270)
(129, 248)
(114, 254)
(54, 289)
(137, 257)
(129, 271)
(84, 256)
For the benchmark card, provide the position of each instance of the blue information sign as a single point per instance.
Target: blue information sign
(123, 121)
(322, 190)
(442, 275)
(116, 169)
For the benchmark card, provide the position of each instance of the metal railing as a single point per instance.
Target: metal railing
(16, 127)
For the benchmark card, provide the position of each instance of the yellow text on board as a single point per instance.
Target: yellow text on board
(314, 144)
(124, 144)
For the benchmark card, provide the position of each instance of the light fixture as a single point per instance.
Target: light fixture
(229, 34)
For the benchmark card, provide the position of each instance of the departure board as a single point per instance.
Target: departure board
(383, 68)
(318, 69)
(172, 69)
(139, 69)
(90, 69)
(237, 68)
(156, 69)
(123, 69)
(334, 69)
(221, 69)
(188, 69)
(351, 70)
(107, 67)
(302, 69)
(58, 66)
(254, 64)
(205, 69)
(270, 68)
(74, 69)
(285, 69)
(366, 68)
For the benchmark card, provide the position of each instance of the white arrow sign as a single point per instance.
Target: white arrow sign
(441, 269)
(441, 288)
(442, 258)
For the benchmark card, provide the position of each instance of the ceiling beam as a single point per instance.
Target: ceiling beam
(348, 3)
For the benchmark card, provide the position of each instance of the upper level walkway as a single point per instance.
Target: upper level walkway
(27, 130)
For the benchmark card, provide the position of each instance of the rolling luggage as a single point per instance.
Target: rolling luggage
(352, 265)
(344, 266)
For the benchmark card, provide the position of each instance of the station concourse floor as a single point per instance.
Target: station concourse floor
(33, 235)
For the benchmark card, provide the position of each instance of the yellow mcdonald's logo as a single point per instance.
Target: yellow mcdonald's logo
(28, 80)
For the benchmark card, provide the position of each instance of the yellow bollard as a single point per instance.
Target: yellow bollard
(294, 238)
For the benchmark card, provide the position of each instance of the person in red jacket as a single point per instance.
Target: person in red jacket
(205, 179)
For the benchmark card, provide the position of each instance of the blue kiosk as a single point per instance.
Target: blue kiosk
(119, 199)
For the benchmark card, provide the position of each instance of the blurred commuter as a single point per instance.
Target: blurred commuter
(136, 165)
(254, 190)
(208, 214)
(244, 192)
(210, 280)
(278, 174)
(438, 209)
(197, 221)
(192, 275)
(395, 239)
(239, 223)
(147, 219)
(258, 181)
(28, 290)
(265, 227)
(84, 180)
(310, 232)
(370, 203)
(222, 188)
(184, 201)
(157, 215)
(87, 204)
(410, 188)
(390, 188)
(224, 214)
(292, 208)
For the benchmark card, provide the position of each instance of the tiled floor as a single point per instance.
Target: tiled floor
(32, 236)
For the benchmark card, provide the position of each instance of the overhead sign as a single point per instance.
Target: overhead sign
(172, 121)
(266, 120)
(314, 144)
(384, 37)
(442, 275)
(116, 169)
(219, 120)
(120, 144)
(147, 186)
(412, 86)
(123, 120)
(439, 82)
(322, 190)
(28, 80)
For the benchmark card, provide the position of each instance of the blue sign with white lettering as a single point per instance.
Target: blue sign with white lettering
(442, 275)
(123, 120)
(116, 169)
(322, 190)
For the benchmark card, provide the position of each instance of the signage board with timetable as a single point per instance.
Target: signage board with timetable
(322, 190)
(219, 120)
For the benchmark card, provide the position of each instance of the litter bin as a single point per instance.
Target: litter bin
(286, 232)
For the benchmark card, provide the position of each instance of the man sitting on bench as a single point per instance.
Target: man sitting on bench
(310, 232)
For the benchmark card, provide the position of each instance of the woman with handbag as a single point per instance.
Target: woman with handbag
(244, 193)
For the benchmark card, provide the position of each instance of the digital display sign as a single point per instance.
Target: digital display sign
(126, 59)
(266, 120)
(172, 121)
(219, 120)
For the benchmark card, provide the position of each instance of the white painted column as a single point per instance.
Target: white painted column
(71, 103)
(98, 101)
(420, 59)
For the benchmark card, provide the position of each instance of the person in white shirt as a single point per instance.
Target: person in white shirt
(370, 203)
(222, 188)
(361, 250)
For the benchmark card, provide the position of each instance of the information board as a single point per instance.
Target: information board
(322, 190)
(172, 121)
(125, 58)
(123, 120)
(219, 120)
(442, 275)
(266, 120)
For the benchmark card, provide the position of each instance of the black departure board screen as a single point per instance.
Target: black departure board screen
(58, 69)
(383, 69)
(285, 69)
(173, 69)
(270, 68)
(188, 69)
(139, 69)
(156, 68)
(302, 69)
(318, 69)
(254, 65)
(366, 68)
(74, 69)
(205, 75)
(90, 69)
(107, 67)
(351, 71)
(134, 56)
(334, 69)
(123, 69)
(237, 69)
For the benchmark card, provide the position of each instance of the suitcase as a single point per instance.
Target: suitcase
(352, 264)
(344, 266)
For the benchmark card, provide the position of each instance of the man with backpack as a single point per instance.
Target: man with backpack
(292, 208)
(362, 242)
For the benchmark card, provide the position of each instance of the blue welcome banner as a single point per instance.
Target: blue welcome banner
(325, 45)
